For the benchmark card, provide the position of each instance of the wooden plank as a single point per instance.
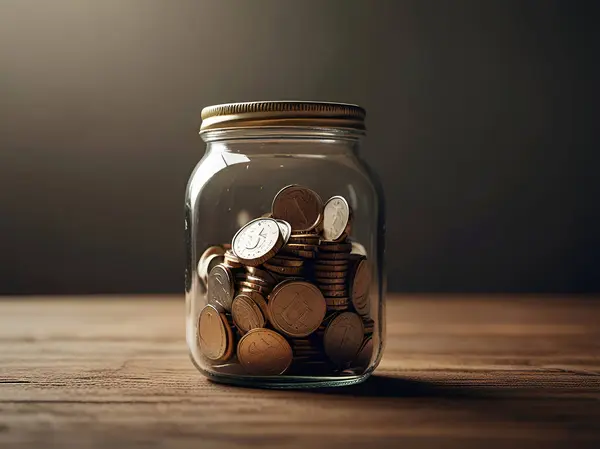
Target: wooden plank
(458, 372)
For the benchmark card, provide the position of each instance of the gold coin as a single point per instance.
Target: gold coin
(321, 267)
(296, 308)
(300, 253)
(263, 352)
(215, 337)
(330, 256)
(332, 287)
(283, 270)
(360, 284)
(300, 207)
(326, 281)
(256, 287)
(260, 300)
(337, 216)
(220, 287)
(335, 247)
(343, 337)
(265, 275)
(330, 275)
(257, 241)
(246, 313)
(285, 262)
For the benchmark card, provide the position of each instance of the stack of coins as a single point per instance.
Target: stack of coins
(288, 292)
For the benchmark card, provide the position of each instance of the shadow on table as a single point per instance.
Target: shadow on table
(378, 386)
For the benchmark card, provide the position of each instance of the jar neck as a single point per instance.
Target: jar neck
(284, 140)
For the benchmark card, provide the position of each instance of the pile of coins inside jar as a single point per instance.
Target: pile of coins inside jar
(291, 293)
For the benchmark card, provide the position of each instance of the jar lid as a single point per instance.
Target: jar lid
(283, 113)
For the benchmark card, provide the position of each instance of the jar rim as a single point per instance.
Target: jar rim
(283, 114)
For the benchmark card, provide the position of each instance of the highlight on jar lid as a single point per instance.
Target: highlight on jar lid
(283, 113)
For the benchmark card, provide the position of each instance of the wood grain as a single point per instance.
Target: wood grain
(479, 371)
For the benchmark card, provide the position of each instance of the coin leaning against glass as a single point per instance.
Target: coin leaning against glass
(215, 336)
(263, 352)
(360, 284)
(343, 337)
(337, 216)
(257, 241)
(302, 208)
(220, 287)
(296, 308)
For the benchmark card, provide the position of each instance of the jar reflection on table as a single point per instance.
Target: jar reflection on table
(283, 183)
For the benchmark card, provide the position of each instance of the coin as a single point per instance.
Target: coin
(220, 287)
(332, 287)
(210, 252)
(335, 247)
(256, 287)
(215, 337)
(300, 253)
(265, 275)
(330, 275)
(231, 260)
(321, 267)
(333, 262)
(285, 262)
(300, 207)
(361, 281)
(326, 281)
(286, 230)
(259, 281)
(300, 247)
(335, 294)
(304, 239)
(365, 353)
(246, 313)
(257, 241)
(263, 352)
(336, 218)
(357, 248)
(284, 270)
(296, 308)
(343, 337)
(322, 255)
(336, 301)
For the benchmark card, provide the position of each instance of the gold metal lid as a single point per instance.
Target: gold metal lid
(283, 113)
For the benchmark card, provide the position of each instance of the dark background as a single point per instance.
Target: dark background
(482, 121)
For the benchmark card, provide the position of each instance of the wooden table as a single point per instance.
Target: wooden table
(490, 372)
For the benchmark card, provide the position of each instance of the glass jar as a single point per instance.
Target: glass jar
(284, 227)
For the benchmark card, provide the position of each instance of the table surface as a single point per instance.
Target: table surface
(458, 372)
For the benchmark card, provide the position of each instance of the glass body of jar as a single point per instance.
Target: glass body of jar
(310, 312)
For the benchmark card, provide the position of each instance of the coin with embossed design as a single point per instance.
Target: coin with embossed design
(286, 230)
(336, 219)
(220, 287)
(296, 308)
(300, 207)
(257, 241)
(343, 337)
(263, 352)
(246, 313)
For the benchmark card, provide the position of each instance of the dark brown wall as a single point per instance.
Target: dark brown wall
(482, 119)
